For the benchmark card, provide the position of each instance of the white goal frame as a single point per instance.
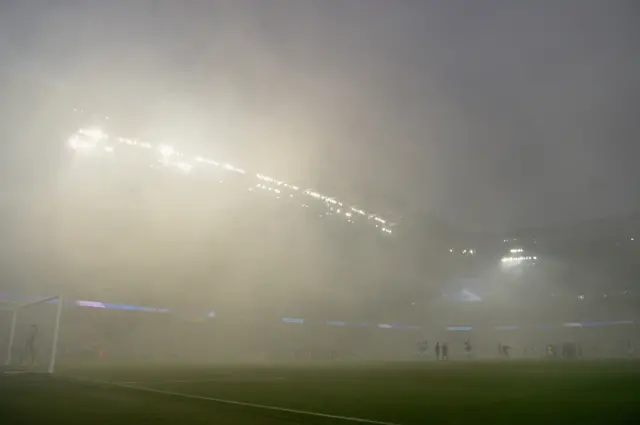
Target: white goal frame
(15, 311)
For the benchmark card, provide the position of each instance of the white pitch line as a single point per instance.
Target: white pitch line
(241, 403)
(205, 381)
(187, 381)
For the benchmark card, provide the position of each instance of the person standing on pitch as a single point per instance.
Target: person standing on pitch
(437, 350)
(467, 348)
(505, 351)
(29, 347)
(445, 351)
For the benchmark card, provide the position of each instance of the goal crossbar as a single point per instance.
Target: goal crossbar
(15, 309)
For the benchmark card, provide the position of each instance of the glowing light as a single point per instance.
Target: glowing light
(234, 169)
(517, 259)
(90, 138)
(207, 161)
(167, 151)
(75, 143)
(185, 167)
(94, 133)
(87, 139)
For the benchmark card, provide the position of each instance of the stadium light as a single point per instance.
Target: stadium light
(92, 137)
(167, 151)
(94, 133)
(185, 167)
(81, 142)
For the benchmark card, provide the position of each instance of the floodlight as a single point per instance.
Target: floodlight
(167, 151)
(94, 133)
(185, 167)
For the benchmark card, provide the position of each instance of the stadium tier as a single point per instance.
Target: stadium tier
(94, 142)
(218, 246)
(588, 261)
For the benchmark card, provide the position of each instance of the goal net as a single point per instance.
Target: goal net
(29, 335)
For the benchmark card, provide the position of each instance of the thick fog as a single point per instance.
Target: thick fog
(440, 117)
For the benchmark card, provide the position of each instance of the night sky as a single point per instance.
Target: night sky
(490, 114)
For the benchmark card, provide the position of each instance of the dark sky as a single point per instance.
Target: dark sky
(489, 113)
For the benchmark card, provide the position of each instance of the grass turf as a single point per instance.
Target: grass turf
(497, 393)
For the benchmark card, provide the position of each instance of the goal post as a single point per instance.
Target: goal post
(32, 324)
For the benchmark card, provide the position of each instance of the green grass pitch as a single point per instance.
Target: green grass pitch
(540, 393)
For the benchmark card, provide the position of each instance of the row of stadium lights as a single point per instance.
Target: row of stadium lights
(522, 258)
(470, 252)
(512, 257)
(516, 256)
(92, 138)
(507, 259)
(335, 207)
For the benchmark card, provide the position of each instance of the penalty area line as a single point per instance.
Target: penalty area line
(238, 403)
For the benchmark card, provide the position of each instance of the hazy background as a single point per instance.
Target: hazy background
(490, 114)
(486, 115)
